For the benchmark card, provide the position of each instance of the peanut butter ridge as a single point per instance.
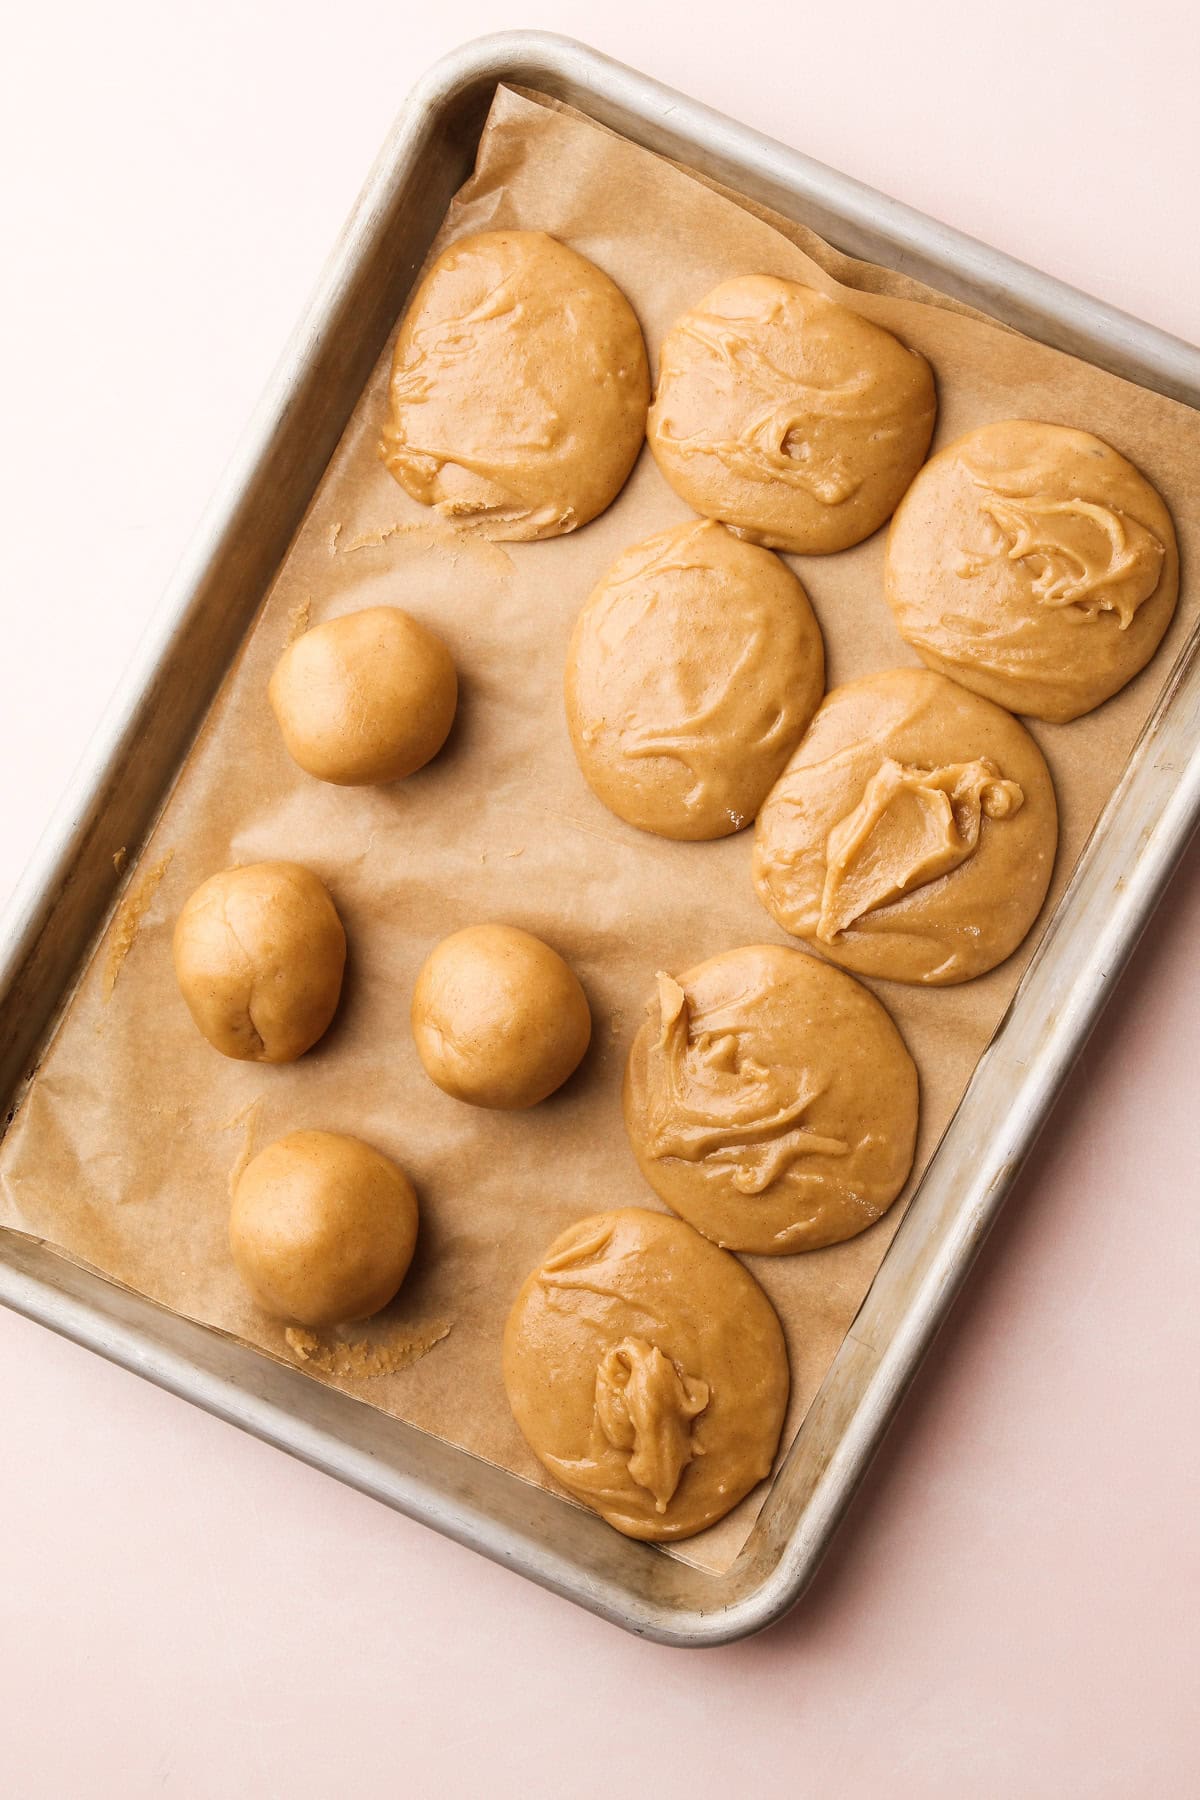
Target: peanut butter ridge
(647, 1406)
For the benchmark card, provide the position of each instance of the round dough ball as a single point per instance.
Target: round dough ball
(519, 387)
(1034, 565)
(365, 699)
(793, 420)
(647, 1372)
(692, 671)
(259, 953)
(498, 1017)
(322, 1228)
(770, 1101)
(912, 835)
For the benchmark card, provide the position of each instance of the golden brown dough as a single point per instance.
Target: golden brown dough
(322, 1228)
(692, 671)
(1034, 565)
(770, 1101)
(793, 420)
(259, 953)
(648, 1373)
(365, 699)
(912, 835)
(519, 387)
(498, 1017)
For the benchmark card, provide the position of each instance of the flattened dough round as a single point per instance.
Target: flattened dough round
(793, 420)
(692, 671)
(648, 1373)
(1035, 565)
(770, 1101)
(519, 387)
(912, 835)
(499, 1018)
(365, 699)
(259, 953)
(322, 1228)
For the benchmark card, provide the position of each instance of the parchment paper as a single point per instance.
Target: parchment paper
(122, 1149)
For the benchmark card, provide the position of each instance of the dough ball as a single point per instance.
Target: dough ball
(647, 1372)
(912, 836)
(365, 699)
(322, 1228)
(499, 1018)
(793, 420)
(692, 672)
(519, 387)
(259, 953)
(1035, 566)
(770, 1101)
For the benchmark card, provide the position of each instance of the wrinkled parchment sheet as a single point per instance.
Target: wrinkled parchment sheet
(122, 1150)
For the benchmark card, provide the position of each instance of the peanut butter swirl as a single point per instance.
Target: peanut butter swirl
(647, 1406)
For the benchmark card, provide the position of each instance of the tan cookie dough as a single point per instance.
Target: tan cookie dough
(648, 1373)
(793, 420)
(365, 699)
(498, 1017)
(259, 953)
(322, 1228)
(692, 671)
(519, 387)
(1034, 565)
(770, 1101)
(912, 835)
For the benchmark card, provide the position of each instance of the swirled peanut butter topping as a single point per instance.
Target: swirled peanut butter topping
(519, 388)
(910, 827)
(647, 1406)
(791, 419)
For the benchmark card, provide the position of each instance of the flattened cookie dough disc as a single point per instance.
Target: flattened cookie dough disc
(648, 1373)
(1034, 565)
(519, 387)
(912, 835)
(770, 1101)
(793, 420)
(692, 671)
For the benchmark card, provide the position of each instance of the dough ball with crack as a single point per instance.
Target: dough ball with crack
(793, 420)
(499, 1018)
(322, 1228)
(519, 387)
(365, 699)
(647, 1372)
(259, 953)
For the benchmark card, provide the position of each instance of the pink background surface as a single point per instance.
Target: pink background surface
(1010, 1609)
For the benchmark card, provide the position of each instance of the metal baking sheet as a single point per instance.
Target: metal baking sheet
(68, 892)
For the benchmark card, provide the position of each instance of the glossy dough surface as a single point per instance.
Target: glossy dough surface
(648, 1373)
(259, 953)
(770, 1101)
(322, 1228)
(366, 698)
(912, 835)
(519, 387)
(692, 671)
(498, 1017)
(791, 419)
(1034, 565)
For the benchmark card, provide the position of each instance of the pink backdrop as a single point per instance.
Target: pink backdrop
(1010, 1608)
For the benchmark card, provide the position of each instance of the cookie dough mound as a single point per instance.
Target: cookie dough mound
(647, 1372)
(1034, 565)
(912, 835)
(322, 1228)
(259, 953)
(692, 671)
(793, 420)
(770, 1101)
(498, 1017)
(365, 699)
(519, 388)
